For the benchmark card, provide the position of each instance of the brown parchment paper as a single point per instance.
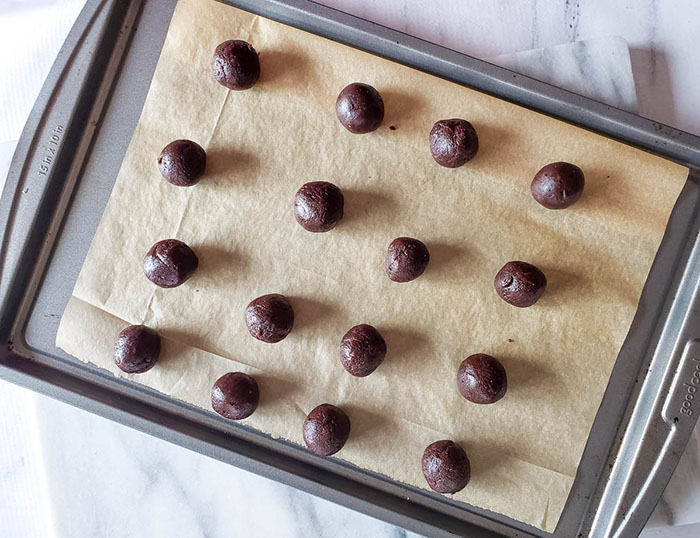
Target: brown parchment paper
(262, 145)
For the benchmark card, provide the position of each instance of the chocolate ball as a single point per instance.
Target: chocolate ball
(169, 263)
(318, 206)
(482, 379)
(236, 65)
(182, 162)
(269, 318)
(406, 259)
(453, 142)
(326, 429)
(137, 349)
(446, 467)
(235, 395)
(520, 284)
(360, 108)
(362, 350)
(558, 185)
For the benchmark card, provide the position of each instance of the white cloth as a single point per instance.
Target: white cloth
(24, 506)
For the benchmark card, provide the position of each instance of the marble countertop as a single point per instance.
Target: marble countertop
(67, 473)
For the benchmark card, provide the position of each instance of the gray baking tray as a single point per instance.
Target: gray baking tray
(61, 177)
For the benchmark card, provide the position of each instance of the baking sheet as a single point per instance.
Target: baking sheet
(262, 144)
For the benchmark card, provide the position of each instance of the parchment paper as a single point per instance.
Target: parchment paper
(262, 145)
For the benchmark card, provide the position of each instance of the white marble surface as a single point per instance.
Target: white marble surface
(24, 501)
(95, 478)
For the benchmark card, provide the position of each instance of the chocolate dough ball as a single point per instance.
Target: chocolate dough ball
(453, 142)
(520, 284)
(269, 318)
(326, 429)
(362, 350)
(236, 65)
(318, 206)
(360, 108)
(406, 259)
(169, 263)
(558, 185)
(137, 349)
(446, 467)
(235, 395)
(482, 379)
(182, 162)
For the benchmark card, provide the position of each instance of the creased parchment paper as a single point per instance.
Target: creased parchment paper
(262, 145)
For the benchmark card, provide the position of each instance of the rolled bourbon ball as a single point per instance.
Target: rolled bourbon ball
(318, 206)
(362, 350)
(558, 185)
(453, 142)
(326, 429)
(482, 379)
(236, 65)
(446, 467)
(520, 284)
(169, 263)
(182, 162)
(269, 318)
(360, 108)
(406, 259)
(235, 395)
(137, 349)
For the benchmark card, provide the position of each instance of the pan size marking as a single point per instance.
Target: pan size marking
(50, 150)
(690, 389)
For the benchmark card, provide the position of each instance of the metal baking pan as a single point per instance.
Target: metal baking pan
(61, 177)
